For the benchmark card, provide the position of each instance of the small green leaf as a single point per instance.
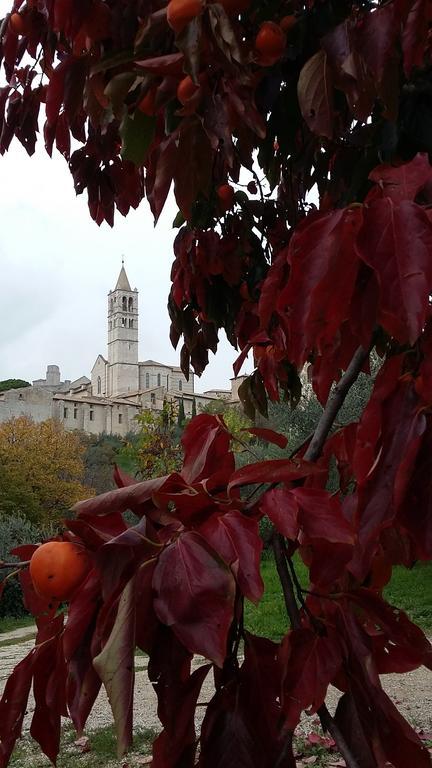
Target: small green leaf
(136, 133)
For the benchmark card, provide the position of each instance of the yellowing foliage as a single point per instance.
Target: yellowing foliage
(41, 469)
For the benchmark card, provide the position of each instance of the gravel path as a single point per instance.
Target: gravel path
(410, 692)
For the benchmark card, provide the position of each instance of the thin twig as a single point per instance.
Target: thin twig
(22, 564)
(334, 404)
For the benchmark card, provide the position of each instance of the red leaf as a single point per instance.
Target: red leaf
(160, 173)
(129, 497)
(396, 241)
(281, 508)
(321, 517)
(415, 34)
(55, 90)
(323, 263)
(49, 681)
(171, 64)
(274, 471)
(399, 645)
(236, 539)
(179, 701)
(269, 293)
(310, 663)
(269, 436)
(315, 95)
(415, 515)
(122, 479)
(402, 182)
(13, 706)
(206, 442)
(192, 180)
(388, 440)
(195, 596)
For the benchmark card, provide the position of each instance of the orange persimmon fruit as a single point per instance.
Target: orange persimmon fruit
(270, 42)
(57, 568)
(186, 89)
(181, 12)
(17, 23)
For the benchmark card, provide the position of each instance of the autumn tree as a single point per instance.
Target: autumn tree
(296, 137)
(41, 470)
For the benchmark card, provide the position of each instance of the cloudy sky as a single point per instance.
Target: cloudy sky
(57, 267)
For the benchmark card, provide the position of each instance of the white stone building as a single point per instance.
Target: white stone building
(120, 385)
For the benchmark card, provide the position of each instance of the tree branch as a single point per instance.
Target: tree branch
(312, 453)
(23, 564)
(285, 579)
(327, 721)
(334, 404)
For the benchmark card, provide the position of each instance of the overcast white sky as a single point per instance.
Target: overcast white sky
(57, 267)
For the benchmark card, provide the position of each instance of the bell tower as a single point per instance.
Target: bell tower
(123, 371)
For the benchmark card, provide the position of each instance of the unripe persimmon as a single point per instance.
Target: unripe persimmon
(225, 194)
(57, 568)
(186, 89)
(270, 42)
(181, 12)
(17, 23)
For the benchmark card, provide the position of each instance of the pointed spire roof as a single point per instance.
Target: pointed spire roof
(123, 282)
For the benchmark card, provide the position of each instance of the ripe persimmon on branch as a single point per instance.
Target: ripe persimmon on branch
(249, 111)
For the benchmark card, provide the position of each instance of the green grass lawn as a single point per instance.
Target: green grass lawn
(409, 590)
(8, 623)
(98, 752)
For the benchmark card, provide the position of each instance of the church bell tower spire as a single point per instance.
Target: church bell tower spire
(123, 374)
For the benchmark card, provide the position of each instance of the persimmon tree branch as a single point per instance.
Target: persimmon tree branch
(313, 452)
(335, 403)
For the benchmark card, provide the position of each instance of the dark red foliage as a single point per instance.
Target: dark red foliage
(323, 255)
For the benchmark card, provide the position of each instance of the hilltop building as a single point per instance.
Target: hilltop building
(120, 385)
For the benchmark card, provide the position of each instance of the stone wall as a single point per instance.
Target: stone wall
(34, 402)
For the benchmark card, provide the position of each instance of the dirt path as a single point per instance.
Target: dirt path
(412, 693)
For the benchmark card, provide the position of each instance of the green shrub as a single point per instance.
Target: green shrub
(14, 530)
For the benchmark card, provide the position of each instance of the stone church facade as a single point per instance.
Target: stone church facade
(120, 385)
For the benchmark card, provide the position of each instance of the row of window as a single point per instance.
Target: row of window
(91, 415)
(159, 382)
(125, 323)
(127, 304)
